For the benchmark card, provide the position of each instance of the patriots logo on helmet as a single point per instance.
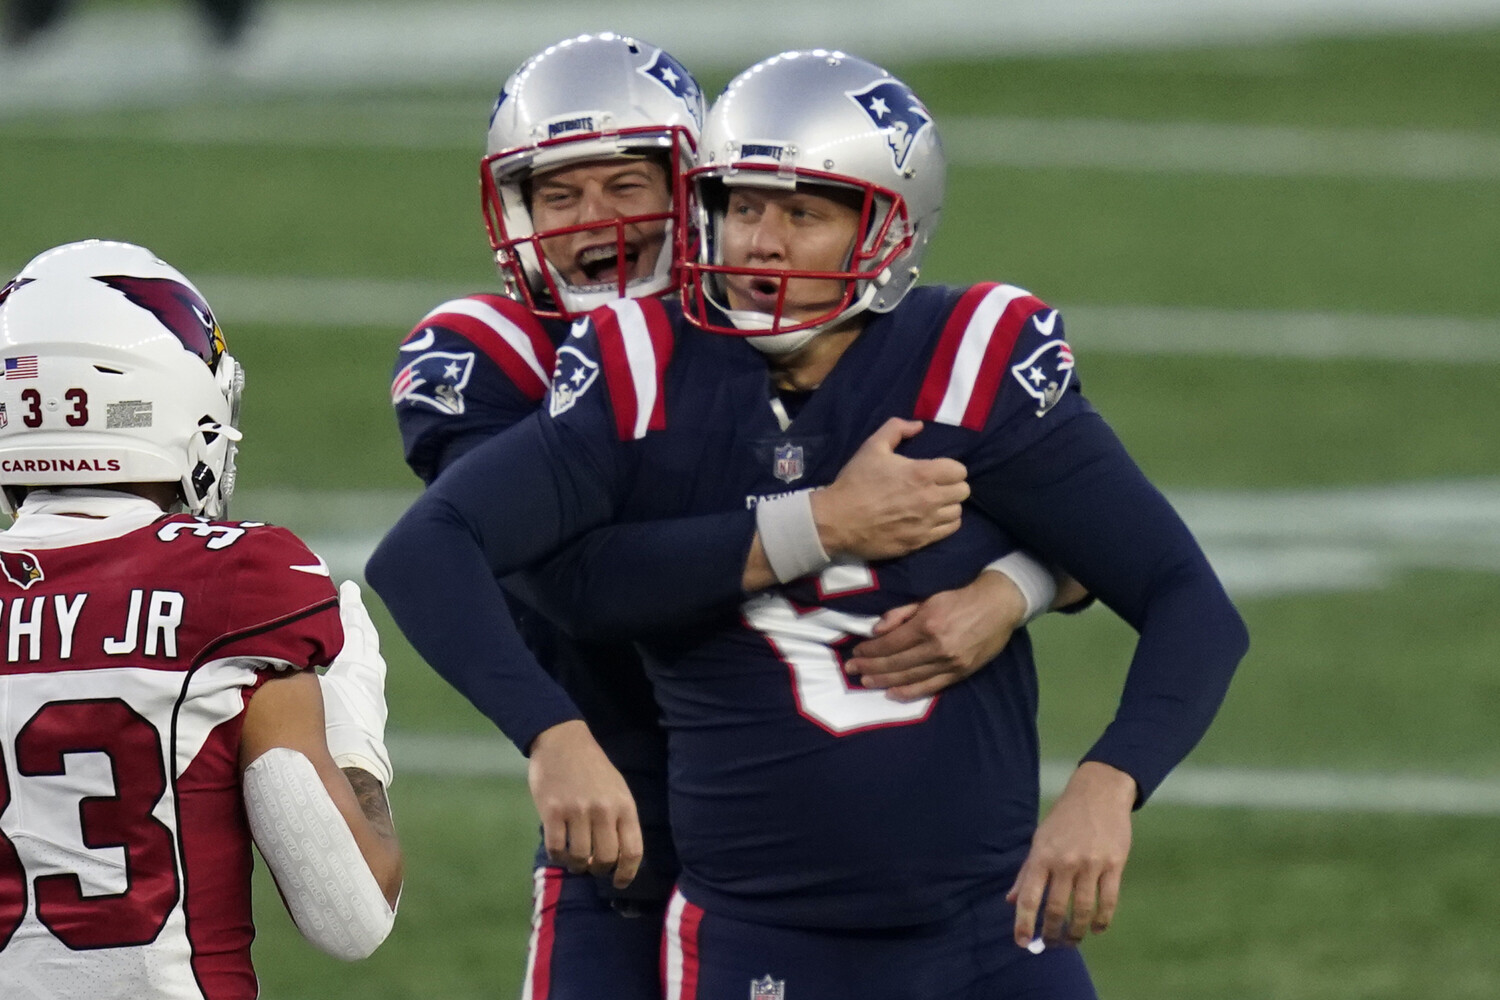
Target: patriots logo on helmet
(1046, 374)
(896, 111)
(11, 286)
(670, 74)
(178, 307)
(436, 379)
(499, 100)
(574, 374)
(21, 568)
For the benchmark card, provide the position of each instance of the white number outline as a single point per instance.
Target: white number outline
(806, 640)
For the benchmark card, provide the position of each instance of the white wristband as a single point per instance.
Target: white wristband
(789, 536)
(1036, 582)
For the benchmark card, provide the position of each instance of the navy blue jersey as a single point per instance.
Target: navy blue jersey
(471, 368)
(796, 799)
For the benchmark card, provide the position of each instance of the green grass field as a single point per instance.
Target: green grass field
(1392, 672)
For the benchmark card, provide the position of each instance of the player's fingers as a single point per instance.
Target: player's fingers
(555, 838)
(604, 833)
(1085, 899)
(924, 688)
(946, 494)
(1109, 899)
(580, 845)
(942, 529)
(898, 640)
(891, 619)
(918, 671)
(945, 471)
(1026, 895)
(632, 851)
(891, 433)
(1055, 915)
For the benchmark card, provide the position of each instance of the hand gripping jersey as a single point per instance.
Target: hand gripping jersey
(128, 661)
(468, 370)
(795, 798)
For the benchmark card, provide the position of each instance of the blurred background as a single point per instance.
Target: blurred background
(1273, 228)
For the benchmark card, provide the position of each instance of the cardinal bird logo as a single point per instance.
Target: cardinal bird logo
(21, 568)
(179, 308)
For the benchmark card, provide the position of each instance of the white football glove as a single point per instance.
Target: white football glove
(354, 692)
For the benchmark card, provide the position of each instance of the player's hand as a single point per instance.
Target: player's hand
(1077, 857)
(354, 708)
(884, 505)
(919, 649)
(589, 821)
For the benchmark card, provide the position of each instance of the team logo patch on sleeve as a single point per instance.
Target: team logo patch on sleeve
(575, 374)
(21, 569)
(436, 379)
(1045, 375)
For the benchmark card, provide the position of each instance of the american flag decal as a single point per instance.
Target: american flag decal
(22, 367)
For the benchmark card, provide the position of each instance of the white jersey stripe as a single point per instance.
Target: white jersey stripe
(641, 356)
(671, 954)
(538, 898)
(512, 335)
(971, 351)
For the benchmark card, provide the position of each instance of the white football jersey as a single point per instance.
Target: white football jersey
(129, 648)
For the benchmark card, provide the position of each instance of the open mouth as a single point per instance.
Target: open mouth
(763, 292)
(601, 264)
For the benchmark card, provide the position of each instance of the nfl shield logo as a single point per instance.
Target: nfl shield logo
(788, 465)
(4, 417)
(767, 988)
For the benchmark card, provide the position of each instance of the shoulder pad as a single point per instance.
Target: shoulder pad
(964, 376)
(635, 344)
(503, 330)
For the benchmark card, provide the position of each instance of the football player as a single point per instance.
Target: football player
(159, 702)
(586, 143)
(831, 842)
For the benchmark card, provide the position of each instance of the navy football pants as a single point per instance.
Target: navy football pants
(584, 948)
(969, 956)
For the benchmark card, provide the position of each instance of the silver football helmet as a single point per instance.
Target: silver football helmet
(590, 98)
(115, 371)
(815, 118)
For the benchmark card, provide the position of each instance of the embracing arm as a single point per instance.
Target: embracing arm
(625, 580)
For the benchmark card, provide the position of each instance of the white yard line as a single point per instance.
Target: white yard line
(157, 54)
(1025, 143)
(388, 307)
(452, 756)
(1262, 543)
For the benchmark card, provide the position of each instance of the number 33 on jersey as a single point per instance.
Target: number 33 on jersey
(128, 662)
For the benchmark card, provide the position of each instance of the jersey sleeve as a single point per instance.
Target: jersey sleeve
(283, 604)
(627, 580)
(470, 368)
(509, 502)
(630, 579)
(1049, 468)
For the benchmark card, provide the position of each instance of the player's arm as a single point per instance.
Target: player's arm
(919, 649)
(508, 503)
(1077, 497)
(325, 832)
(626, 580)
